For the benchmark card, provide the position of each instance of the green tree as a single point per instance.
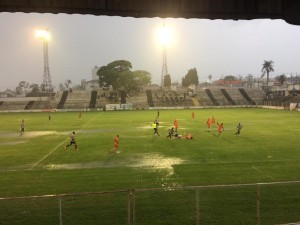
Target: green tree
(267, 67)
(141, 78)
(230, 77)
(34, 88)
(281, 79)
(190, 78)
(118, 74)
(209, 78)
(22, 87)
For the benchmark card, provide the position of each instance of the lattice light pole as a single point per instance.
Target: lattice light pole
(164, 37)
(47, 86)
(164, 71)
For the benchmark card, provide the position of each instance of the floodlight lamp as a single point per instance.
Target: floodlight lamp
(43, 34)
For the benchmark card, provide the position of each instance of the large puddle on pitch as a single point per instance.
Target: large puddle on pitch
(151, 161)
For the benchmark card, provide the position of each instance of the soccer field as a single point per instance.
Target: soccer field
(36, 162)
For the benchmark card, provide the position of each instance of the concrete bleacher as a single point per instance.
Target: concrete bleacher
(171, 99)
(78, 100)
(202, 97)
(20, 103)
(257, 95)
(138, 101)
(236, 95)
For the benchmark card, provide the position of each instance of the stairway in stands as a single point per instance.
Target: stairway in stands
(149, 98)
(62, 100)
(195, 101)
(93, 100)
(227, 96)
(246, 96)
(212, 98)
(29, 105)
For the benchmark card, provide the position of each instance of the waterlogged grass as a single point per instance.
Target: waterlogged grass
(37, 164)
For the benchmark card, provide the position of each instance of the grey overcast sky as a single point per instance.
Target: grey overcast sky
(80, 42)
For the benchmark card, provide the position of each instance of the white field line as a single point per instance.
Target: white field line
(263, 172)
(49, 153)
(56, 147)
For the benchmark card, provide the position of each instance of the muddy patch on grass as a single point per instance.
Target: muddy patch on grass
(96, 131)
(28, 134)
(13, 143)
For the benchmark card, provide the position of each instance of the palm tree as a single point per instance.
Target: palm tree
(267, 68)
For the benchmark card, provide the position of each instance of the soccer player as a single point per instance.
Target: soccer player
(72, 142)
(155, 128)
(208, 123)
(238, 127)
(193, 115)
(220, 129)
(213, 121)
(178, 136)
(22, 127)
(188, 137)
(116, 144)
(171, 133)
(157, 121)
(176, 125)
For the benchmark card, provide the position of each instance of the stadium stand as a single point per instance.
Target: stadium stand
(246, 96)
(212, 98)
(227, 96)
(29, 105)
(195, 101)
(80, 100)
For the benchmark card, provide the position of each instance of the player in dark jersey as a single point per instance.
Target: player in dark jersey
(171, 133)
(238, 127)
(22, 127)
(72, 142)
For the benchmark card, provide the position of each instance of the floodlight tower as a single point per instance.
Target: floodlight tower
(164, 39)
(164, 71)
(47, 86)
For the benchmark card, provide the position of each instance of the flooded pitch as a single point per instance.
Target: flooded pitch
(151, 161)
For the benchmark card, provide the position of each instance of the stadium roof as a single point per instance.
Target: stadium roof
(288, 10)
